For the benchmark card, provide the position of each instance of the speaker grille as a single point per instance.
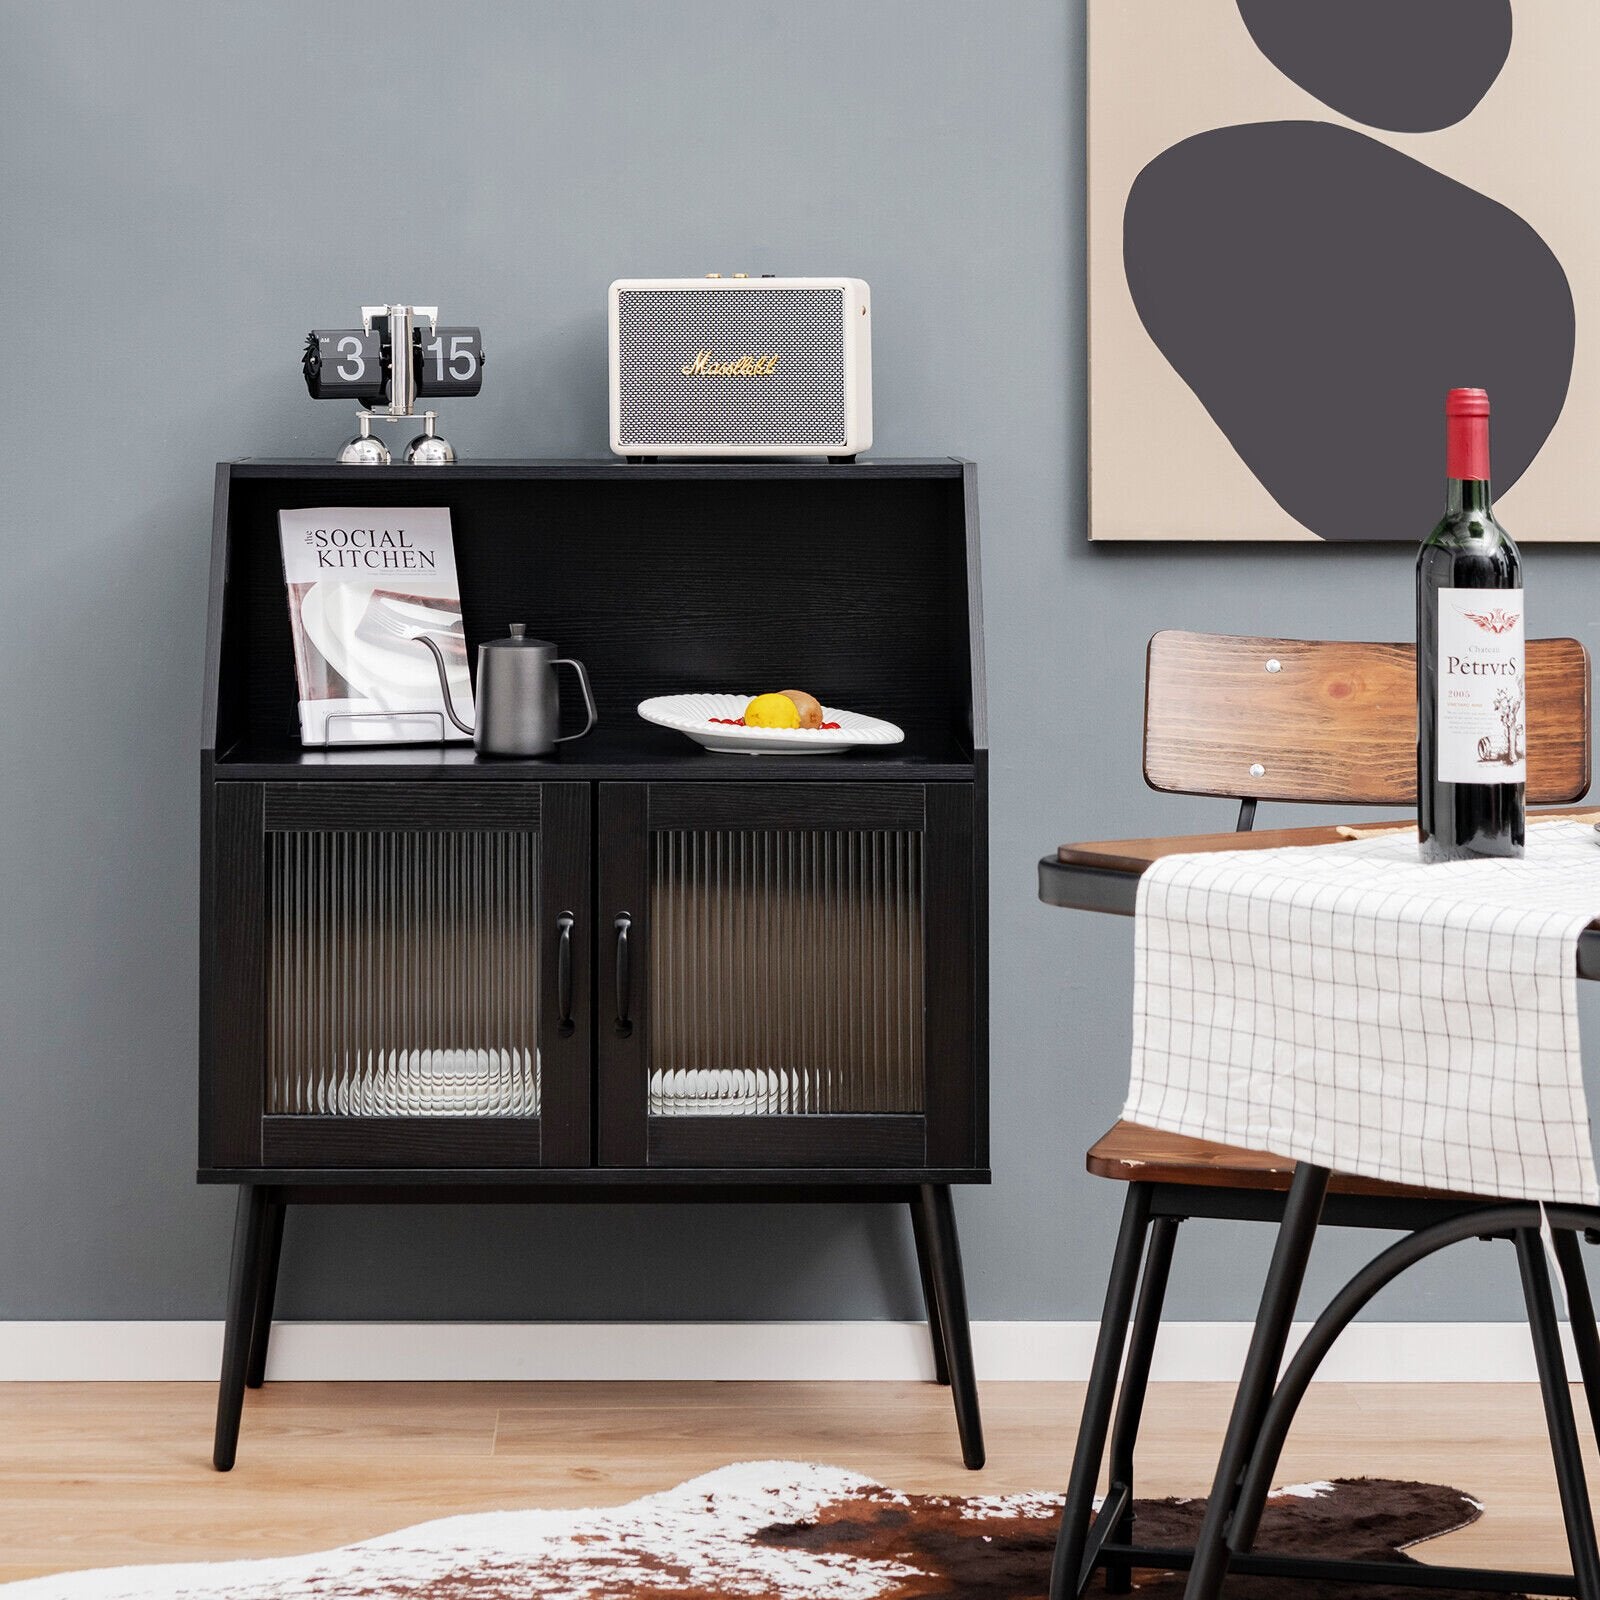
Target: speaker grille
(801, 401)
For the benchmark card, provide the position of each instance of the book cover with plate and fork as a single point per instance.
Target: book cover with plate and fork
(365, 583)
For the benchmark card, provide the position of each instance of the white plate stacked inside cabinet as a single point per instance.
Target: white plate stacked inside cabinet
(693, 714)
(722, 1092)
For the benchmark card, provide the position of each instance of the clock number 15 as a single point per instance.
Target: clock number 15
(450, 361)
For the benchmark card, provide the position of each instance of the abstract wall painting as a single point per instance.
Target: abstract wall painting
(1308, 219)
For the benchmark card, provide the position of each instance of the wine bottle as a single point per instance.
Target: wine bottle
(1471, 680)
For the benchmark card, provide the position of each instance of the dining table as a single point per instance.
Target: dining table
(1104, 876)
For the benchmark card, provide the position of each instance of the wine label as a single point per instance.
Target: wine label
(1483, 733)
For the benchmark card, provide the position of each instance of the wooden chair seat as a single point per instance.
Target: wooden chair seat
(1132, 1153)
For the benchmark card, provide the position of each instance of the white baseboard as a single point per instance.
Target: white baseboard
(1194, 1352)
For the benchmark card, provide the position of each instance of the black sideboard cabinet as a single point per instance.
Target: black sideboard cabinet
(634, 970)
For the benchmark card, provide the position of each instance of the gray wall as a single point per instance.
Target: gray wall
(185, 188)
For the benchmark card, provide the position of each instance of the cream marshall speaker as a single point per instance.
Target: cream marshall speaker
(741, 366)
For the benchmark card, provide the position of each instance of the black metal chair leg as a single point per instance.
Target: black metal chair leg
(944, 1259)
(1072, 1538)
(930, 1296)
(243, 1280)
(1563, 1427)
(1580, 1305)
(1135, 1384)
(266, 1294)
(1296, 1232)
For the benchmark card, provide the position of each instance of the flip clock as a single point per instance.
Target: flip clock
(434, 362)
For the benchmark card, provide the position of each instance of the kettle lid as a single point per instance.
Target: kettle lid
(518, 640)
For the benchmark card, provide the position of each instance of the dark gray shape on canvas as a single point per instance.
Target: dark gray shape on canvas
(1319, 293)
(1407, 65)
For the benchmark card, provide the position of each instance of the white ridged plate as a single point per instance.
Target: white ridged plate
(721, 1092)
(692, 714)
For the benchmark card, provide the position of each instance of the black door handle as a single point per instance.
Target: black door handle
(564, 925)
(623, 924)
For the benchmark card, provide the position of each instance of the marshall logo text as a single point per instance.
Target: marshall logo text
(745, 367)
(363, 548)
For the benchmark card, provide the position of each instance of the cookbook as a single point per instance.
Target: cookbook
(365, 583)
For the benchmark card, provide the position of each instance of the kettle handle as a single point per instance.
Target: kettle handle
(444, 682)
(588, 698)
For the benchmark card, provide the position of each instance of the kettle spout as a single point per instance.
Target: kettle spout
(444, 683)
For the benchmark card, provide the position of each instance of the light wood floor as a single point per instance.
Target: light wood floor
(96, 1474)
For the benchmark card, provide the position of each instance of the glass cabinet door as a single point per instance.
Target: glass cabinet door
(411, 958)
(772, 956)
(786, 972)
(403, 973)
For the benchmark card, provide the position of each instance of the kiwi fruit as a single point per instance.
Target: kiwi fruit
(809, 707)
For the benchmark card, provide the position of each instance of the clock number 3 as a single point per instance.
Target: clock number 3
(355, 369)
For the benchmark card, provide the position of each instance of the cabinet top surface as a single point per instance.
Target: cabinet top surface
(630, 753)
(599, 467)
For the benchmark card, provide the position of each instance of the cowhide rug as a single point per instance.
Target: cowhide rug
(778, 1530)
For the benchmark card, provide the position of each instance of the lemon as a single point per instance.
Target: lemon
(771, 711)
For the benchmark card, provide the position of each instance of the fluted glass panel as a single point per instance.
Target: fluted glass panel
(785, 973)
(402, 974)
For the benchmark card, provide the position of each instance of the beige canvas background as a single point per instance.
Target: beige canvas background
(1164, 70)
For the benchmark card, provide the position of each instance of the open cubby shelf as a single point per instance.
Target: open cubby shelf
(853, 582)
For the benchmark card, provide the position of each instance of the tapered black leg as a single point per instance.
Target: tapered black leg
(1135, 1383)
(950, 1294)
(1285, 1276)
(243, 1282)
(1580, 1306)
(930, 1295)
(1073, 1536)
(266, 1294)
(1563, 1426)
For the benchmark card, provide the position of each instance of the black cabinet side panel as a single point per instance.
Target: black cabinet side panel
(233, 1050)
(952, 956)
(980, 965)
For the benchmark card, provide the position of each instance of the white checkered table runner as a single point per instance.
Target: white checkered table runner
(1347, 1005)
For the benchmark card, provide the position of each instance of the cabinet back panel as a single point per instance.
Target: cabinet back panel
(854, 589)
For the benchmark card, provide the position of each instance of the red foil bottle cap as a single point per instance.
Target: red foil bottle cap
(1467, 403)
(1466, 431)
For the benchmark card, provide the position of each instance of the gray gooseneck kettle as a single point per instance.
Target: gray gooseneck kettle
(519, 708)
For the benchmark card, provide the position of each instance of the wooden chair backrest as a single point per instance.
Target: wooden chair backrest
(1329, 721)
